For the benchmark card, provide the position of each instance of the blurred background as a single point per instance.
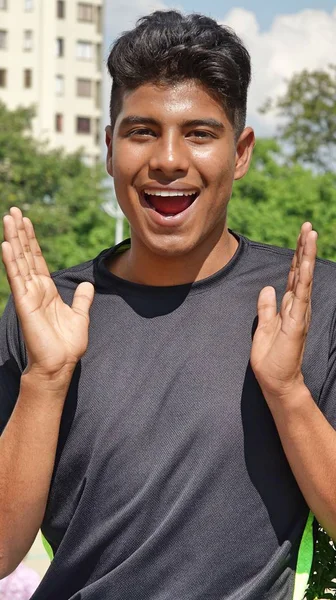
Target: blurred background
(54, 96)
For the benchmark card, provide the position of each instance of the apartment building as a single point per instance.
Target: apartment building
(51, 57)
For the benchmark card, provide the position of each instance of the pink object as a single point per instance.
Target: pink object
(19, 585)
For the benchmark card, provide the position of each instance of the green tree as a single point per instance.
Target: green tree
(323, 573)
(274, 199)
(60, 194)
(308, 112)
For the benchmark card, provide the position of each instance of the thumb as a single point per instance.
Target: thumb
(83, 298)
(267, 307)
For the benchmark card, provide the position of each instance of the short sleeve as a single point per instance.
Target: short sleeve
(12, 362)
(327, 400)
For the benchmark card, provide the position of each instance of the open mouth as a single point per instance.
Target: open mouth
(169, 204)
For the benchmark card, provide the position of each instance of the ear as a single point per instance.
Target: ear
(109, 146)
(244, 152)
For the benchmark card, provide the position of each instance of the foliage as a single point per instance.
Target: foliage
(59, 193)
(274, 199)
(309, 111)
(323, 573)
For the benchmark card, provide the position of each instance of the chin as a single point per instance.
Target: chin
(170, 246)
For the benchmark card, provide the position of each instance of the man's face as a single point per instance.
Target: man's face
(174, 157)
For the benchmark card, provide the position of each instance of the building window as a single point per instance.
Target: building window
(98, 94)
(84, 50)
(27, 78)
(3, 4)
(28, 5)
(60, 9)
(85, 12)
(97, 136)
(28, 40)
(3, 39)
(84, 88)
(99, 57)
(59, 122)
(99, 19)
(59, 85)
(59, 46)
(3, 78)
(83, 125)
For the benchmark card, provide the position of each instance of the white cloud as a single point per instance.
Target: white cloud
(304, 40)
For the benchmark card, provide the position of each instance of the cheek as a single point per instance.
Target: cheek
(214, 165)
(127, 196)
(123, 174)
(127, 160)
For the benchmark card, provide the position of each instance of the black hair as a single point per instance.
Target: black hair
(167, 47)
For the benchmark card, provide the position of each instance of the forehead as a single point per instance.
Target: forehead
(170, 103)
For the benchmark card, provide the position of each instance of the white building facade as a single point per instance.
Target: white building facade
(51, 56)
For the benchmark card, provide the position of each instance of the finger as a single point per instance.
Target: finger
(11, 236)
(15, 280)
(39, 261)
(266, 306)
(292, 270)
(302, 293)
(298, 255)
(17, 216)
(305, 229)
(83, 298)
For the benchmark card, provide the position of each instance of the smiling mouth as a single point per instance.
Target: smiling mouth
(170, 205)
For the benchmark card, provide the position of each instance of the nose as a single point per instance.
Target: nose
(169, 157)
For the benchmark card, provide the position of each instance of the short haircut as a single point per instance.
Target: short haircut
(167, 47)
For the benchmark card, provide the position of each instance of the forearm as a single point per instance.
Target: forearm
(27, 456)
(309, 442)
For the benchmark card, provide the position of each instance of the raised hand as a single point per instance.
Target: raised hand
(279, 341)
(55, 334)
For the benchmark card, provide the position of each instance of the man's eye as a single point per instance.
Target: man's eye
(142, 132)
(199, 133)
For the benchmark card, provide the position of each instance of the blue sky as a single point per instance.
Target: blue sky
(264, 10)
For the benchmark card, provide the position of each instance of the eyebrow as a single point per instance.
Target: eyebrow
(138, 120)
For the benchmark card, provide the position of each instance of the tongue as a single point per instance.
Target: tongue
(170, 205)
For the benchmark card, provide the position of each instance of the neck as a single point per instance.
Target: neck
(140, 265)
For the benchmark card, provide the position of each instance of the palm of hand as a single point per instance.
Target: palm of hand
(55, 334)
(279, 341)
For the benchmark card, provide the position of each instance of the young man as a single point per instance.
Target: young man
(173, 448)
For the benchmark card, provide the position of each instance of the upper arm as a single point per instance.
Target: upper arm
(12, 362)
(327, 400)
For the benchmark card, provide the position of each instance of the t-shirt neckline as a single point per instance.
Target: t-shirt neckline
(112, 282)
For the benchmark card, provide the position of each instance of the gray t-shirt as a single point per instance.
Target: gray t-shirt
(170, 481)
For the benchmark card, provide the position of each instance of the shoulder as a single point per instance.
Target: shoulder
(67, 280)
(267, 249)
(268, 253)
(268, 264)
(74, 275)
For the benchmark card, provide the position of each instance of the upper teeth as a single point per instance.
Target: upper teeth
(169, 193)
